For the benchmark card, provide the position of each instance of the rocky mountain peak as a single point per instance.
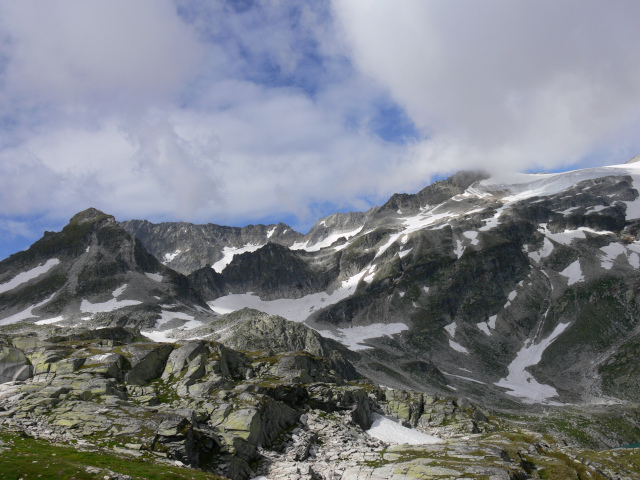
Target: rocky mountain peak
(92, 215)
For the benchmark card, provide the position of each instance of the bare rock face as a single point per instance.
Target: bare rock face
(93, 266)
(186, 247)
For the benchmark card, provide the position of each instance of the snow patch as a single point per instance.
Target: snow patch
(473, 236)
(29, 275)
(459, 250)
(545, 251)
(390, 431)
(271, 232)
(520, 383)
(169, 257)
(573, 272)
(369, 277)
(611, 252)
(451, 329)
(154, 276)
(404, 253)
(484, 327)
(457, 347)
(492, 321)
(49, 321)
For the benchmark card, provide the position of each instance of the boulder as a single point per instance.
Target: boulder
(182, 356)
(148, 361)
(14, 365)
(106, 364)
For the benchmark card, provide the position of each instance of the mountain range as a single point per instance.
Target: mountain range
(519, 291)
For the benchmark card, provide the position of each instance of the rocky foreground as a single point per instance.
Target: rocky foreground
(274, 412)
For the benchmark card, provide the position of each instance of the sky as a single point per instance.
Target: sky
(259, 111)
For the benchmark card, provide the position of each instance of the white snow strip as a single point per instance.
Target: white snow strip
(325, 242)
(473, 236)
(119, 291)
(29, 275)
(484, 327)
(270, 232)
(352, 337)
(451, 329)
(597, 208)
(229, 252)
(567, 236)
(390, 242)
(573, 272)
(520, 383)
(463, 378)
(401, 294)
(457, 347)
(404, 253)
(492, 321)
(296, 309)
(512, 296)
(568, 210)
(426, 289)
(49, 321)
(389, 431)
(459, 250)
(23, 315)
(154, 276)
(634, 260)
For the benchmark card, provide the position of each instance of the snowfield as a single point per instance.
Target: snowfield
(229, 252)
(295, 309)
(109, 305)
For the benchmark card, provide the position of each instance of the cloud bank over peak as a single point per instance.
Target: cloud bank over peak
(262, 110)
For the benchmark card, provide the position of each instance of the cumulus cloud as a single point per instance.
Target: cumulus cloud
(523, 84)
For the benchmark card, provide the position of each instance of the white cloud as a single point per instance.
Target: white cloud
(520, 83)
(97, 52)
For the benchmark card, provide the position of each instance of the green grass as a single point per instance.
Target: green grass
(27, 458)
